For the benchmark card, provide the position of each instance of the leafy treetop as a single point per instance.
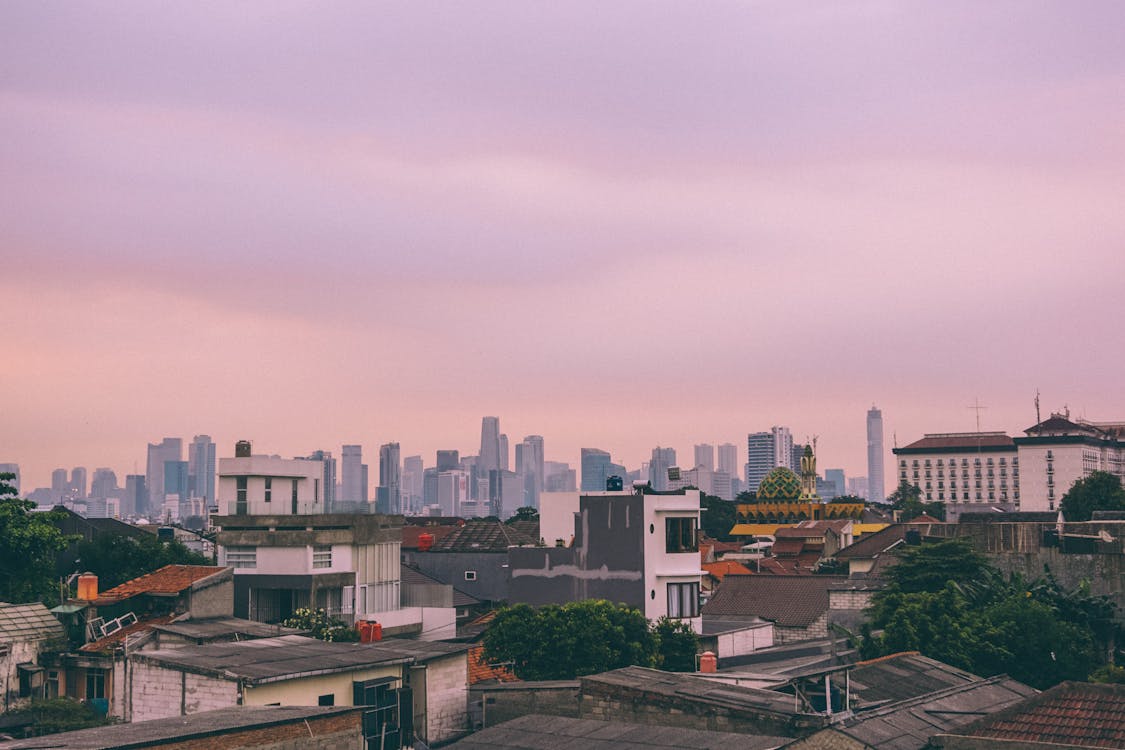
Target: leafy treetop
(29, 543)
(1099, 491)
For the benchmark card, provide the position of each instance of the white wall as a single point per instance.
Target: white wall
(662, 567)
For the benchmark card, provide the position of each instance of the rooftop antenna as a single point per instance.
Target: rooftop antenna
(1038, 420)
(977, 407)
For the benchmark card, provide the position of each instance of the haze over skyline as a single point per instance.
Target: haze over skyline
(614, 225)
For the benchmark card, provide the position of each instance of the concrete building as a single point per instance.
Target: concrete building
(875, 476)
(728, 459)
(417, 688)
(26, 631)
(489, 457)
(765, 451)
(705, 456)
(595, 469)
(837, 478)
(662, 460)
(413, 473)
(345, 564)
(530, 462)
(353, 487)
(328, 485)
(78, 483)
(269, 485)
(389, 498)
(633, 547)
(963, 467)
(1058, 451)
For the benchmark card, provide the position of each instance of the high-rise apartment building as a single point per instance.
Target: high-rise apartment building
(412, 487)
(530, 465)
(353, 487)
(705, 457)
(595, 469)
(875, 487)
(104, 483)
(505, 452)
(201, 468)
(728, 459)
(328, 485)
(169, 449)
(765, 451)
(448, 460)
(662, 460)
(136, 495)
(390, 479)
(839, 481)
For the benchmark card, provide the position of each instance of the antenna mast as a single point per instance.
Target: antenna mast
(977, 407)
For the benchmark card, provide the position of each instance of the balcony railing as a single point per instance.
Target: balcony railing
(275, 508)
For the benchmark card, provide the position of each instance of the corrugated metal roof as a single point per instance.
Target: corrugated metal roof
(23, 623)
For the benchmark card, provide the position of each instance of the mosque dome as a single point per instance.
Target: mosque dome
(779, 485)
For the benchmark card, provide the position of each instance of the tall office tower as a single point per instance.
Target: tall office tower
(169, 449)
(104, 483)
(795, 453)
(14, 482)
(430, 487)
(765, 451)
(836, 477)
(559, 477)
(201, 468)
(364, 484)
(858, 486)
(705, 456)
(452, 490)
(468, 465)
(504, 452)
(728, 459)
(721, 486)
(329, 482)
(412, 473)
(136, 494)
(489, 457)
(78, 482)
(448, 460)
(531, 466)
(595, 468)
(662, 460)
(390, 479)
(875, 489)
(352, 487)
(60, 485)
(176, 479)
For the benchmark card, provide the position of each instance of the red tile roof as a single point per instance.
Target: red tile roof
(961, 440)
(169, 580)
(479, 671)
(725, 567)
(1074, 714)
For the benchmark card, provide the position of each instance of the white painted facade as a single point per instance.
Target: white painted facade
(270, 485)
(663, 569)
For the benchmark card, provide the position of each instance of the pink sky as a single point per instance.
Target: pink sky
(613, 224)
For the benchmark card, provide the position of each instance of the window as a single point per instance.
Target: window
(326, 700)
(242, 557)
(322, 556)
(269, 489)
(95, 683)
(683, 599)
(294, 497)
(680, 534)
(31, 679)
(470, 575)
(240, 494)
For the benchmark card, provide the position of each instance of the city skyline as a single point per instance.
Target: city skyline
(640, 226)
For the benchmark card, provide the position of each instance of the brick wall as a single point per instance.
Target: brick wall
(447, 697)
(158, 693)
(817, 629)
(653, 710)
(849, 599)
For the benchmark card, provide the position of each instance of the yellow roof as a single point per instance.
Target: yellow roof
(859, 529)
(757, 529)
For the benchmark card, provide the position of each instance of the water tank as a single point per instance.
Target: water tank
(614, 483)
(708, 663)
(242, 449)
(425, 542)
(87, 587)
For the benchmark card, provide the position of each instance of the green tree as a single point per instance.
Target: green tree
(1099, 491)
(676, 645)
(526, 513)
(848, 499)
(321, 626)
(29, 543)
(907, 500)
(929, 567)
(563, 642)
(116, 559)
(717, 517)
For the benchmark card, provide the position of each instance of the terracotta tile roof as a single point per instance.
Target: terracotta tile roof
(1072, 714)
(723, 568)
(169, 580)
(789, 601)
(924, 519)
(873, 545)
(526, 526)
(479, 671)
(410, 534)
(482, 536)
(973, 440)
(787, 547)
(772, 566)
(107, 643)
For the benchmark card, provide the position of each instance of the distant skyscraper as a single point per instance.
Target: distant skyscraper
(328, 484)
(559, 477)
(836, 476)
(662, 460)
(201, 468)
(13, 483)
(728, 459)
(705, 456)
(448, 460)
(531, 467)
(136, 495)
(412, 478)
(858, 486)
(60, 485)
(765, 451)
(505, 452)
(390, 478)
(595, 469)
(489, 457)
(875, 489)
(104, 483)
(176, 481)
(795, 454)
(353, 488)
(169, 449)
(78, 482)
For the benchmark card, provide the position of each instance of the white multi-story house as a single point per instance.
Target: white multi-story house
(636, 547)
(269, 485)
(1057, 452)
